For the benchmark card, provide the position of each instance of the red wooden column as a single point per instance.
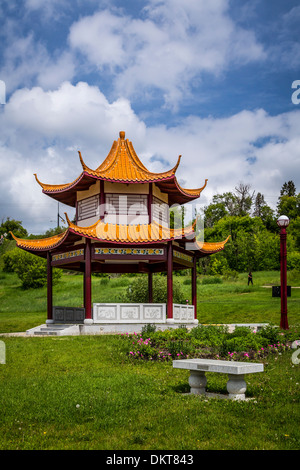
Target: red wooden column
(49, 289)
(88, 283)
(150, 287)
(102, 199)
(169, 281)
(150, 202)
(194, 287)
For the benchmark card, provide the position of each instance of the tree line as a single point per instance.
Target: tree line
(255, 243)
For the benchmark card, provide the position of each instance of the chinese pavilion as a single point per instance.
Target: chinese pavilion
(122, 226)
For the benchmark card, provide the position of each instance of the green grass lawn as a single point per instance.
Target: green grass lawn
(84, 393)
(229, 302)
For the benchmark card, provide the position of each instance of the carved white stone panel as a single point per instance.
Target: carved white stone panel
(154, 312)
(130, 312)
(183, 313)
(105, 313)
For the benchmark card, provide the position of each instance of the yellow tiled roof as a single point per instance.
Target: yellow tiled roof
(132, 233)
(141, 233)
(212, 247)
(41, 244)
(123, 165)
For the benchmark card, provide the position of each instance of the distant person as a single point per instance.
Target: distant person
(250, 278)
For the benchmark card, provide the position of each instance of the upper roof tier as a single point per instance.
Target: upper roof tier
(122, 165)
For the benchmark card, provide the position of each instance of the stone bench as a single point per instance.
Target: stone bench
(236, 385)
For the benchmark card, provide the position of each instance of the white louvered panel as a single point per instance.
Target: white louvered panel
(160, 211)
(126, 204)
(88, 208)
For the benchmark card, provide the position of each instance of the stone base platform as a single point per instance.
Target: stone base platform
(58, 329)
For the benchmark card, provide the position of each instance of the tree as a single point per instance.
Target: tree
(238, 203)
(12, 225)
(262, 210)
(31, 269)
(288, 189)
(251, 245)
(243, 199)
(288, 201)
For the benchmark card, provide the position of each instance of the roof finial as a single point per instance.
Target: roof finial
(122, 135)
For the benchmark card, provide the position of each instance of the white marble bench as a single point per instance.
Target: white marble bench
(236, 385)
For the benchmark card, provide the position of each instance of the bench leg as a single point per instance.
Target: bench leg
(236, 387)
(197, 382)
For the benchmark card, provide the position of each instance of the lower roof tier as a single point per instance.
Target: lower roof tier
(135, 235)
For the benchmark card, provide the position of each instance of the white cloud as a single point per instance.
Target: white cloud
(175, 42)
(250, 146)
(42, 131)
(27, 62)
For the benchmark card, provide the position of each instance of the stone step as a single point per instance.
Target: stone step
(53, 330)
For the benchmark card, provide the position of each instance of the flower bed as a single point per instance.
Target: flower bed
(211, 342)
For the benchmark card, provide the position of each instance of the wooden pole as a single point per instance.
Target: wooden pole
(194, 287)
(150, 202)
(102, 199)
(88, 283)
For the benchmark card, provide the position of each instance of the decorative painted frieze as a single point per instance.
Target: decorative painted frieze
(130, 251)
(67, 255)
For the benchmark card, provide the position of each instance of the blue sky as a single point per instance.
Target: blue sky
(209, 80)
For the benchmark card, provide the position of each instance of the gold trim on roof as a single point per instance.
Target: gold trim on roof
(123, 165)
(42, 244)
(139, 233)
(212, 247)
(57, 187)
(132, 233)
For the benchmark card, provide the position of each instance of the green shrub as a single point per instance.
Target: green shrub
(148, 329)
(293, 260)
(239, 344)
(209, 335)
(241, 332)
(137, 291)
(31, 269)
(270, 333)
(179, 348)
(121, 282)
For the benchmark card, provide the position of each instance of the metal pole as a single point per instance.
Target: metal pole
(283, 275)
